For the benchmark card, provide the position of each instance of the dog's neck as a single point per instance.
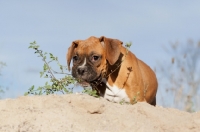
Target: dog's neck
(112, 71)
(98, 85)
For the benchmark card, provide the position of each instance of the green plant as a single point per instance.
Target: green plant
(55, 84)
(135, 98)
(2, 64)
(122, 102)
(90, 92)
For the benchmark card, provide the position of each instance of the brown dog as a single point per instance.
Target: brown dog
(113, 71)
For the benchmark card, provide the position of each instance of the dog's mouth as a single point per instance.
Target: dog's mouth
(83, 80)
(97, 80)
(86, 83)
(83, 83)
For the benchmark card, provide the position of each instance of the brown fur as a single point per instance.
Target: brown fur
(133, 75)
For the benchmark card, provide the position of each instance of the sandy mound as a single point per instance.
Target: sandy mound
(83, 113)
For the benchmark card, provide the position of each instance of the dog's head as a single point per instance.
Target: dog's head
(91, 55)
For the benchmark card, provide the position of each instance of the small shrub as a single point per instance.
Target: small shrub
(2, 64)
(56, 84)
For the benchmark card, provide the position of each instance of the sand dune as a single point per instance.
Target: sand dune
(83, 113)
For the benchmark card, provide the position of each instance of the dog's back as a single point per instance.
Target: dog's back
(150, 82)
(141, 81)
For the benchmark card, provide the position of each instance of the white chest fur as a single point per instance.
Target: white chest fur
(115, 94)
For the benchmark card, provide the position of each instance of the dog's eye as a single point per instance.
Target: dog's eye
(75, 58)
(95, 58)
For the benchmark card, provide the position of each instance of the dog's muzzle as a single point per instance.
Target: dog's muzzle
(81, 71)
(85, 73)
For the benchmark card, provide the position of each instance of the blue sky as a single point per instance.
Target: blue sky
(55, 24)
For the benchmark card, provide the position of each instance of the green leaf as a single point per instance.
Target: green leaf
(36, 47)
(61, 68)
(30, 47)
(128, 45)
(45, 67)
(48, 87)
(66, 91)
(46, 76)
(40, 93)
(39, 88)
(32, 43)
(41, 74)
(25, 94)
(32, 87)
(51, 55)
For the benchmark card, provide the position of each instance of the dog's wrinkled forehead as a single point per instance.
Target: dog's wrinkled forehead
(89, 45)
(90, 41)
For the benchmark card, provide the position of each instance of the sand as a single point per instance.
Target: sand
(83, 113)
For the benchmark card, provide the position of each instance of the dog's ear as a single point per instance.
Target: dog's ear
(112, 48)
(70, 52)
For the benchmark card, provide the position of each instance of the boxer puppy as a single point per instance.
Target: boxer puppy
(113, 71)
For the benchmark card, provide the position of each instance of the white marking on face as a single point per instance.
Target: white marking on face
(83, 63)
(115, 94)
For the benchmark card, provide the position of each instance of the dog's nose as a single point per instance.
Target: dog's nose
(81, 70)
